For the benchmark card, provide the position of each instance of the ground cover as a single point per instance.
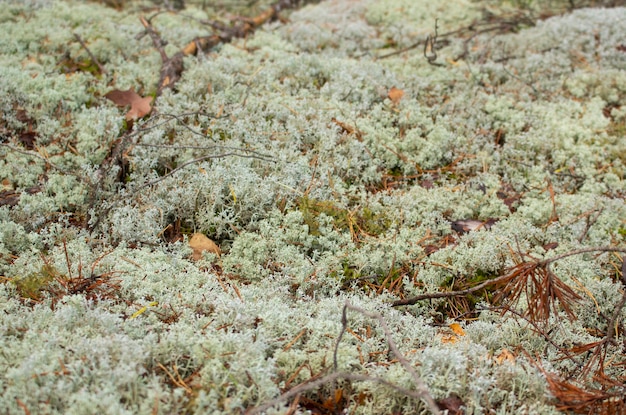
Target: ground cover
(341, 206)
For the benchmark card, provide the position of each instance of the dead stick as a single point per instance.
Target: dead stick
(545, 262)
(93, 58)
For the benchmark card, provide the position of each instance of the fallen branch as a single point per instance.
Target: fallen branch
(173, 67)
(512, 272)
(91, 55)
(314, 384)
(421, 393)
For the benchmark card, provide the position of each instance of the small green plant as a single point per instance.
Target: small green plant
(359, 222)
(33, 286)
(50, 282)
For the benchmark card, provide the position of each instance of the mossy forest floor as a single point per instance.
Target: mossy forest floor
(345, 206)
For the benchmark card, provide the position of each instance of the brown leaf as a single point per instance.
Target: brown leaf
(550, 246)
(139, 106)
(427, 184)
(505, 356)
(28, 139)
(395, 94)
(467, 225)
(200, 243)
(509, 196)
(453, 404)
(10, 197)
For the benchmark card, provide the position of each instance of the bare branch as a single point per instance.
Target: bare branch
(91, 55)
(422, 389)
(502, 278)
(421, 393)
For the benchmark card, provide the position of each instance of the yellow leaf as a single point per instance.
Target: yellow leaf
(143, 309)
(232, 193)
(457, 329)
(139, 312)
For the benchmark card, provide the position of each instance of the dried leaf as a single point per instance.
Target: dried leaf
(467, 225)
(200, 243)
(395, 95)
(509, 196)
(9, 198)
(139, 106)
(550, 246)
(457, 329)
(452, 404)
(449, 339)
(28, 139)
(505, 356)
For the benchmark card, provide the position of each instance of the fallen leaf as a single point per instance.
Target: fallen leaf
(28, 139)
(200, 243)
(395, 94)
(550, 246)
(467, 225)
(457, 329)
(509, 196)
(10, 197)
(452, 404)
(505, 356)
(449, 338)
(139, 106)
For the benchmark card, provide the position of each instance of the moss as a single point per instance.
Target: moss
(34, 285)
(358, 221)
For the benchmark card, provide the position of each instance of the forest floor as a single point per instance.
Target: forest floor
(345, 206)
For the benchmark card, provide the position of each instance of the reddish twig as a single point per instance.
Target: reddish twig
(498, 280)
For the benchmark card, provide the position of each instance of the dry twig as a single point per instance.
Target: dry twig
(421, 393)
(535, 278)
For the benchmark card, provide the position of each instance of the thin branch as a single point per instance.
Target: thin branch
(487, 283)
(36, 155)
(249, 152)
(422, 389)
(171, 67)
(198, 160)
(429, 296)
(610, 335)
(157, 41)
(91, 55)
(421, 393)
(583, 251)
(184, 124)
(430, 46)
(312, 385)
(475, 29)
